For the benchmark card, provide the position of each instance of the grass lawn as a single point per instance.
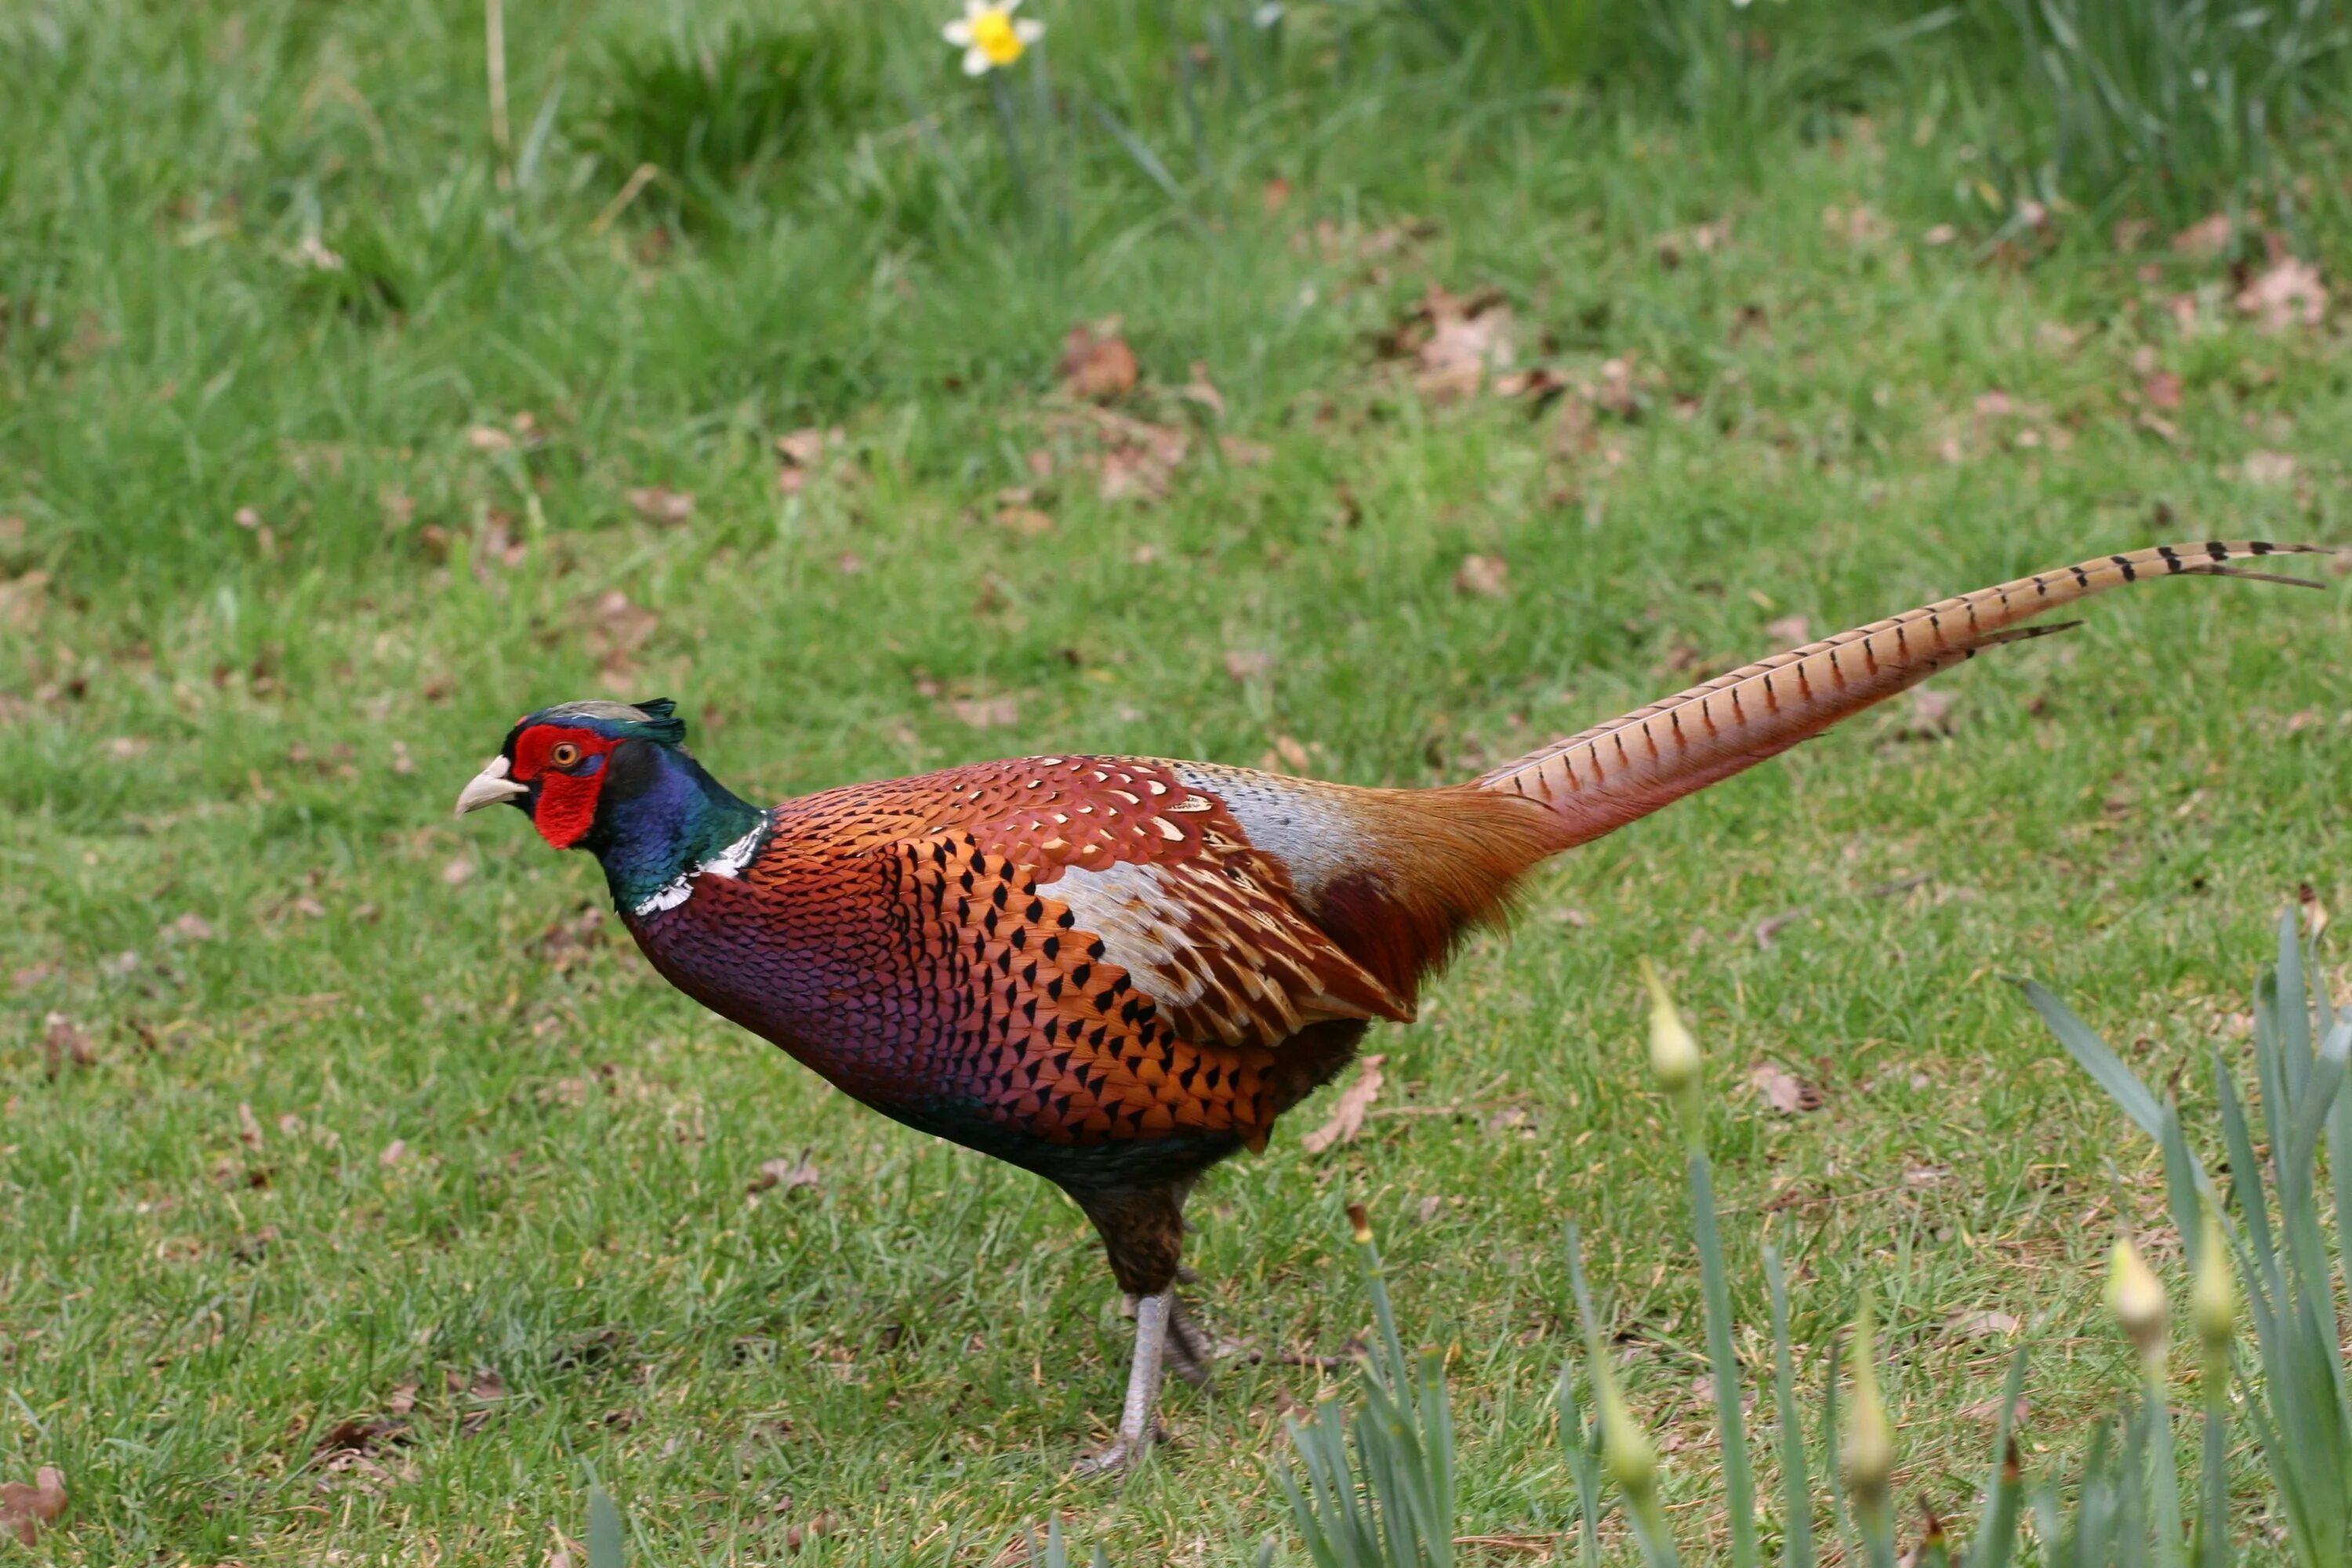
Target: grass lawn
(362, 1194)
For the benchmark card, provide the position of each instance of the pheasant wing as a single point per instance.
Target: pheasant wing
(1158, 884)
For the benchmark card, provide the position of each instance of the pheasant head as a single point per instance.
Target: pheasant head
(614, 779)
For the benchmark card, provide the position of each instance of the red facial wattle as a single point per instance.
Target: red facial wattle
(566, 808)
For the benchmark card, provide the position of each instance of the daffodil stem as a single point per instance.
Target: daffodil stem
(2213, 1527)
(2164, 1475)
(1739, 1479)
(1007, 123)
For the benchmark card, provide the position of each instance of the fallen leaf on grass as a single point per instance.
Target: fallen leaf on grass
(2205, 239)
(24, 1508)
(63, 1041)
(1096, 365)
(1860, 224)
(1246, 664)
(458, 872)
(1347, 1120)
(1484, 577)
(23, 599)
(617, 628)
(1931, 712)
(191, 927)
(1990, 1410)
(2268, 468)
(1782, 1091)
(1455, 340)
(2285, 295)
(2162, 389)
(1980, 1325)
(986, 713)
(788, 1175)
(248, 1126)
(1027, 521)
(1793, 630)
(661, 505)
(394, 1153)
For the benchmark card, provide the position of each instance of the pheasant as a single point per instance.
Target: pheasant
(1116, 972)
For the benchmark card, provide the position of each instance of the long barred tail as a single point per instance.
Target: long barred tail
(1609, 775)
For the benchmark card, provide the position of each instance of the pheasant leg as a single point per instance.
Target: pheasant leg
(1135, 1422)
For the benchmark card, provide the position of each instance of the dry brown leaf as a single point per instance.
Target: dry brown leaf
(788, 1175)
(248, 1126)
(1990, 1410)
(1484, 577)
(1860, 224)
(2205, 239)
(1289, 753)
(617, 629)
(62, 1041)
(1247, 663)
(2162, 389)
(2315, 913)
(26, 1509)
(1244, 453)
(394, 1153)
(986, 713)
(1096, 365)
(1980, 1325)
(661, 505)
(1931, 711)
(1348, 1112)
(191, 927)
(1203, 390)
(23, 600)
(2270, 468)
(1791, 629)
(1782, 1091)
(801, 448)
(1026, 521)
(458, 872)
(1457, 339)
(2285, 295)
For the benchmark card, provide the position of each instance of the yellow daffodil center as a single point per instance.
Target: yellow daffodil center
(993, 35)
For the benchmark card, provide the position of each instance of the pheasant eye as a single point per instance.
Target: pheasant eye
(564, 754)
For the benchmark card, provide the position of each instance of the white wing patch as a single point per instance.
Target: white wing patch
(1223, 957)
(1309, 831)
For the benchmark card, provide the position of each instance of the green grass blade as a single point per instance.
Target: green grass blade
(1796, 1485)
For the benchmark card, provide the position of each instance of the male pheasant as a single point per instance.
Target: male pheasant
(1115, 972)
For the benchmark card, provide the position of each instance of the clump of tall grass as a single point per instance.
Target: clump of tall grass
(1378, 1486)
(2176, 107)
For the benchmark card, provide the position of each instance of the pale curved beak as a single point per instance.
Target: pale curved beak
(489, 787)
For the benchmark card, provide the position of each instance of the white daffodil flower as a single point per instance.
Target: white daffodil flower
(990, 36)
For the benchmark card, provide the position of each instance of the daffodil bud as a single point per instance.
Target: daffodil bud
(1674, 1055)
(1869, 1451)
(2213, 1300)
(1625, 1449)
(2135, 1296)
